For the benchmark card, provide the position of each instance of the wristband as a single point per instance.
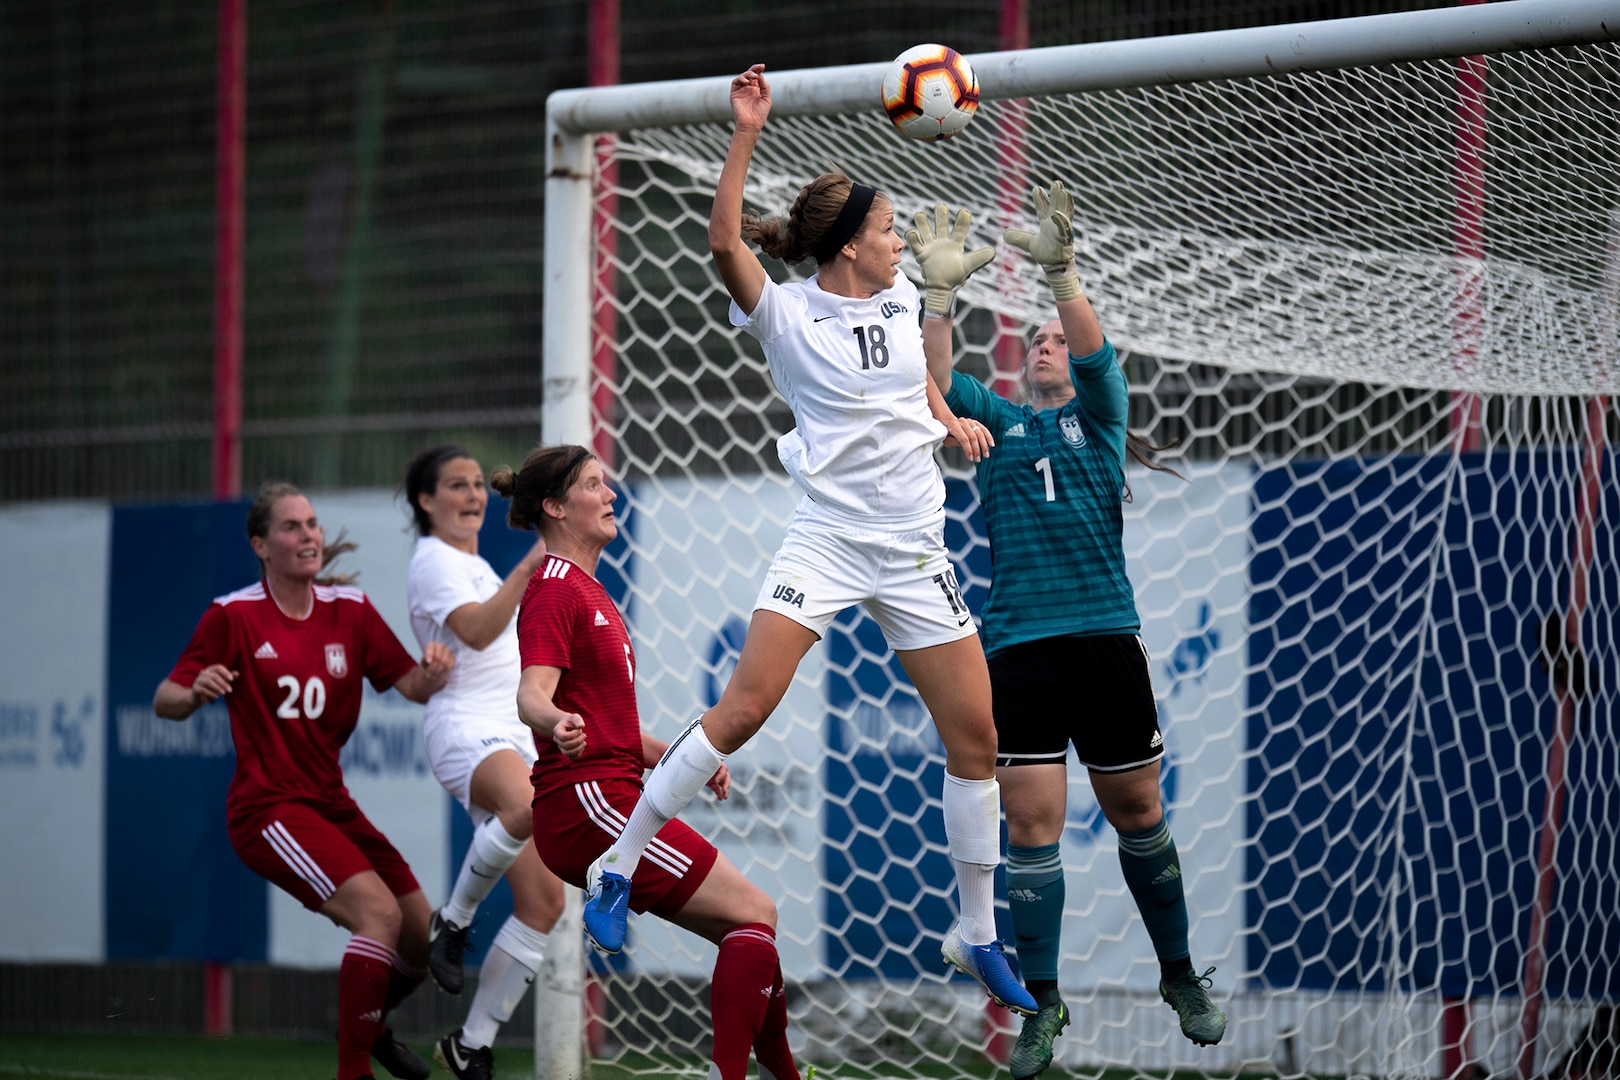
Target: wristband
(1065, 283)
(931, 304)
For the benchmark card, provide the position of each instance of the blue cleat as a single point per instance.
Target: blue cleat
(607, 909)
(988, 965)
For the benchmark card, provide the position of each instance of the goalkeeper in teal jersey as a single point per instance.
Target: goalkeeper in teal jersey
(1061, 627)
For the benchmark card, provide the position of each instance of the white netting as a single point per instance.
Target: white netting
(1344, 600)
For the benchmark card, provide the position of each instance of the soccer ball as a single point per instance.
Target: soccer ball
(930, 92)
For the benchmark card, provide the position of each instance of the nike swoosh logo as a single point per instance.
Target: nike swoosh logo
(965, 621)
(824, 318)
(455, 1055)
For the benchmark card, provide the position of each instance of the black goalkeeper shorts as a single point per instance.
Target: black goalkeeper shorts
(1095, 692)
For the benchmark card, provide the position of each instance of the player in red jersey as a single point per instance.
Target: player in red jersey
(288, 654)
(578, 693)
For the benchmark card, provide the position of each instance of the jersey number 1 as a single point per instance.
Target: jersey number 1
(878, 354)
(1044, 467)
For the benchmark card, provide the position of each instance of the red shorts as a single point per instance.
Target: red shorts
(310, 852)
(575, 825)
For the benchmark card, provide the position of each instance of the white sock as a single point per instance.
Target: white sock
(689, 763)
(509, 967)
(973, 835)
(492, 850)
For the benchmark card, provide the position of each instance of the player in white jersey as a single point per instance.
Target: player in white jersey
(846, 351)
(480, 751)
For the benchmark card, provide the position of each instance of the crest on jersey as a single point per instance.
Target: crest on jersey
(337, 661)
(1073, 433)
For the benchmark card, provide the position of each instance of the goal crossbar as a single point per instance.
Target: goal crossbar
(1506, 26)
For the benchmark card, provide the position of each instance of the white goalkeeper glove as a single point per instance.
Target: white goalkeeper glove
(1053, 245)
(939, 247)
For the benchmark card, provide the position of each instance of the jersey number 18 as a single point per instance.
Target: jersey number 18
(877, 355)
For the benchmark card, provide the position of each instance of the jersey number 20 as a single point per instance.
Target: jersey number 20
(314, 695)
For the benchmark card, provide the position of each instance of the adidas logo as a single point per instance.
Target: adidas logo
(601, 619)
(1014, 432)
(1158, 739)
(1171, 873)
(266, 652)
(766, 991)
(375, 1015)
(1026, 895)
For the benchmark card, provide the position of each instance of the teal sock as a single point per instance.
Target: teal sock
(1035, 897)
(1153, 872)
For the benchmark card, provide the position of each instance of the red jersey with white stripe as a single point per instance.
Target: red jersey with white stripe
(568, 621)
(297, 694)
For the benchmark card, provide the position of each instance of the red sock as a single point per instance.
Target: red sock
(744, 973)
(771, 1046)
(362, 989)
(402, 981)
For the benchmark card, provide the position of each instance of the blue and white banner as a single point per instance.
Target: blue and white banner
(1340, 650)
(53, 654)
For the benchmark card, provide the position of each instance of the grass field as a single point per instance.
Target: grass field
(151, 1057)
(155, 1057)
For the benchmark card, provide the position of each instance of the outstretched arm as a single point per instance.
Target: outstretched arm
(739, 267)
(1052, 246)
(936, 333)
(1080, 326)
(940, 246)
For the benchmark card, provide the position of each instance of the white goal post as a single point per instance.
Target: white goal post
(1364, 274)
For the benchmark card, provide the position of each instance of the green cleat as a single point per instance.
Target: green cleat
(1033, 1051)
(1188, 994)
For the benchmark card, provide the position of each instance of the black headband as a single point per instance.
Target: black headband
(848, 222)
(574, 462)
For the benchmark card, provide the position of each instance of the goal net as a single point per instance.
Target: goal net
(1364, 276)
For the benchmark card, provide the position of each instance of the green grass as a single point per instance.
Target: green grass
(155, 1057)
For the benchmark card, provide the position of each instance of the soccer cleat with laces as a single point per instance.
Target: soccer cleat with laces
(400, 1060)
(1188, 994)
(463, 1061)
(1032, 1053)
(607, 908)
(988, 965)
(447, 946)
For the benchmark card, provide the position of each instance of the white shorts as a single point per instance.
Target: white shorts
(457, 745)
(902, 573)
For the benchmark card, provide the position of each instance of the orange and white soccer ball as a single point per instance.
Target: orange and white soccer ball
(930, 92)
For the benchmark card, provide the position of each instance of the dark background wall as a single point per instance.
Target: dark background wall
(360, 343)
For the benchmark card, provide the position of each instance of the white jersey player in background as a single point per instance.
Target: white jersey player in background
(846, 350)
(479, 750)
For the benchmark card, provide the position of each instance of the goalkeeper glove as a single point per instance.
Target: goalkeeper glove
(1052, 246)
(939, 247)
